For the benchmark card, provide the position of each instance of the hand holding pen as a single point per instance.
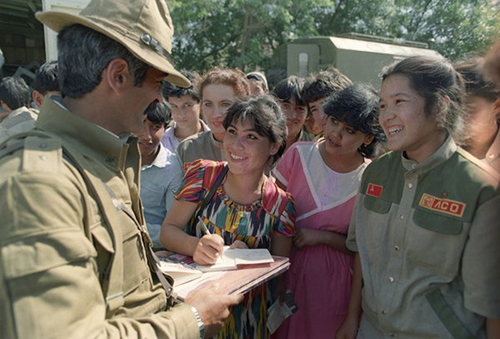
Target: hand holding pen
(209, 247)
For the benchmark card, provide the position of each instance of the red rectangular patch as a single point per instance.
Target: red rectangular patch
(374, 190)
(442, 205)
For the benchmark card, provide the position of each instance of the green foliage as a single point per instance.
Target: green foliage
(245, 33)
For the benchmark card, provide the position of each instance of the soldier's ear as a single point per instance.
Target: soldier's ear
(117, 75)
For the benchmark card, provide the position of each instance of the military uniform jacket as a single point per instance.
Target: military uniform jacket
(427, 235)
(73, 259)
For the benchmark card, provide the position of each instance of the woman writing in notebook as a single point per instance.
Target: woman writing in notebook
(247, 208)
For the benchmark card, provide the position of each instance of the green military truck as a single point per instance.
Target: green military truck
(360, 57)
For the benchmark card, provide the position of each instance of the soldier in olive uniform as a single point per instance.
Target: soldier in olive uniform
(75, 256)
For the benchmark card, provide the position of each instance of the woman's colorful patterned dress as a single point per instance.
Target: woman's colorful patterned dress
(254, 224)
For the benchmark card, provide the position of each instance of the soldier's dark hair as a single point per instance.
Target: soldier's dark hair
(84, 53)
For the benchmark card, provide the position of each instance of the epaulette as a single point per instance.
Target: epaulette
(41, 152)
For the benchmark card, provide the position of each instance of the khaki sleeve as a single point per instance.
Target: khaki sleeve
(49, 283)
(481, 261)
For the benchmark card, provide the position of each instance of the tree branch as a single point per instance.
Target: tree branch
(419, 18)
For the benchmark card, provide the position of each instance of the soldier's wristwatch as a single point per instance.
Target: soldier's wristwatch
(201, 325)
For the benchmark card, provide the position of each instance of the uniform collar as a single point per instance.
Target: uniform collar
(443, 153)
(89, 138)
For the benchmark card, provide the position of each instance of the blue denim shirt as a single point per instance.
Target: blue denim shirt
(158, 182)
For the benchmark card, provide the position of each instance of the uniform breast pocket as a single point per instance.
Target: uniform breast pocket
(102, 237)
(436, 241)
(374, 222)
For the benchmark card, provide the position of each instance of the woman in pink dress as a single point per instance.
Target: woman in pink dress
(323, 177)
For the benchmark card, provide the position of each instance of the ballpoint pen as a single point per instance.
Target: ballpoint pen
(204, 227)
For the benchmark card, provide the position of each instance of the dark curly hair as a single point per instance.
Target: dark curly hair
(358, 106)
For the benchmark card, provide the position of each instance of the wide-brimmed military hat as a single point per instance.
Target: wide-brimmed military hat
(144, 27)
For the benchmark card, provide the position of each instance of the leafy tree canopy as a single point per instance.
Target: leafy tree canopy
(245, 33)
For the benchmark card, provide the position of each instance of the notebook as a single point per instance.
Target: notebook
(180, 267)
(232, 257)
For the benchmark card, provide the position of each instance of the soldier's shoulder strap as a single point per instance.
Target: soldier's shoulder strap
(43, 152)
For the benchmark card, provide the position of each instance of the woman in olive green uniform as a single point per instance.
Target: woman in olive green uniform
(425, 223)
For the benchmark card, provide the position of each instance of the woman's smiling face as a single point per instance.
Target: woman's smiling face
(247, 152)
(405, 122)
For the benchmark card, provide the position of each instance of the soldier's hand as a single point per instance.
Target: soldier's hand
(213, 307)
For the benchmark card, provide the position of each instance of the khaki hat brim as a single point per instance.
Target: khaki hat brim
(58, 20)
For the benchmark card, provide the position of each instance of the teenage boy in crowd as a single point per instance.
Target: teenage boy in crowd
(289, 93)
(161, 174)
(317, 88)
(185, 104)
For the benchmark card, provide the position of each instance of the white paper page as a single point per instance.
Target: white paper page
(238, 256)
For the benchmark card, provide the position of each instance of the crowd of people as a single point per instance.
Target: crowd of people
(385, 202)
